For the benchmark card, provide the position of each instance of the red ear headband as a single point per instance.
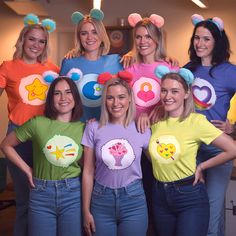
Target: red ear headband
(123, 75)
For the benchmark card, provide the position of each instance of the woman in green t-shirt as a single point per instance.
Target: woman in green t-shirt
(54, 180)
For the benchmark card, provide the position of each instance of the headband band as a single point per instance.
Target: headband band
(186, 74)
(157, 20)
(96, 14)
(48, 24)
(123, 75)
(74, 74)
(216, 20)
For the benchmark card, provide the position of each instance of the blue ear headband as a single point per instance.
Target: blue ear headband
(186, 74)
(216, 20)
(32, 19)
(96, 14)
(75, 74)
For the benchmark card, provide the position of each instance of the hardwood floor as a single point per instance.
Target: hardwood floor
(7, 215)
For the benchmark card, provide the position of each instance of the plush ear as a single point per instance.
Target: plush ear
(31, 19)
(157, 20)
(75, 74)
(76, 17)
(218, 22)
(125, 75)
(104, 77)
(187, 75)
(161, 70)
(49, 76)
(96, 14)
(49, 24)
(196, 19)
(133, 19)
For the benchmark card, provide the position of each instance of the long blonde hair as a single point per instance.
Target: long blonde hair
(101, 32)
(19, 52)
(104, 118)
(156, 35)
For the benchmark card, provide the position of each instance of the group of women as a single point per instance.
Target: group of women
(113, 197)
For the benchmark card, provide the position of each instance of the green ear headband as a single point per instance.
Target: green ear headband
(96, 14)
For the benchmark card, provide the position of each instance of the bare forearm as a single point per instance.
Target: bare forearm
(87, 188)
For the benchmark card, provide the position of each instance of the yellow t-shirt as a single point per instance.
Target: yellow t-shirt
(173, 146)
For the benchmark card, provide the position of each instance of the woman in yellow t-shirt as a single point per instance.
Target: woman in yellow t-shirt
(180, 201)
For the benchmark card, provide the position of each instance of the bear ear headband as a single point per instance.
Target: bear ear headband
(96, 14)
(186, 74)
(74, 74)
(216, 20)
(157, 20)
(32, 19)
(123, 75)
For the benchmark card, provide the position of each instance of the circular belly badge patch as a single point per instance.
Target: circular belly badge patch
(33, 90)
(90, 90)
(146, 92)
(61, 151)
(204, 95)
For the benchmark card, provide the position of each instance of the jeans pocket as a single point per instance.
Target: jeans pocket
(73, 186)
(98, 190)
(136, 191)
(189, 188)
(38, 188)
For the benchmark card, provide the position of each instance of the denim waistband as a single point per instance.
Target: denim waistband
(186, 181)
(45, 182)
(130, 186)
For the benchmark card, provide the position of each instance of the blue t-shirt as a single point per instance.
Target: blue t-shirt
(90, 91)
(212, 95)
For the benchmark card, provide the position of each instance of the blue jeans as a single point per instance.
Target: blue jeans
(120, 212)
(55, 208)
(217, 179)
(180, 209)
(21, 185)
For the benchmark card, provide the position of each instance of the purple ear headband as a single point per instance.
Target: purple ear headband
(157, 20)
(216, 20)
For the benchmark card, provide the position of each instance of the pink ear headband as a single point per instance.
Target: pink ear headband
(123, 75)
(216, 20)
(157, 20)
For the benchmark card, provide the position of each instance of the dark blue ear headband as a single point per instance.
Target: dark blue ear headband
(186, 74)
(216, 20)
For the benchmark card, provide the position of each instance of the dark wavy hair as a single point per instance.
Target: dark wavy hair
(221, 51)
(50, 110)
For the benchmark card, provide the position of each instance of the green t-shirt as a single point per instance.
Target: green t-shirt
(173, 146)
(56, 147)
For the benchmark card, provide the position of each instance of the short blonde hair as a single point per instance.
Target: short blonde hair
(104, 118)
(156, 35)
(19, 52)
(188, 102)
(101, 32)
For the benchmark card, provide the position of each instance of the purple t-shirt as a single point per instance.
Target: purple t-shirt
(118, 152)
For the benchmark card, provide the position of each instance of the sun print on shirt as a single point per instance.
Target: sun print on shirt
(61, 150)
(117, 154)
(33, 90)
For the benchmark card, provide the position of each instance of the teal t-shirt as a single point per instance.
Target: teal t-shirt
(56, 147)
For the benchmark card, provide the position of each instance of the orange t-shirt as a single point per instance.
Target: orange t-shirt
(25, 88)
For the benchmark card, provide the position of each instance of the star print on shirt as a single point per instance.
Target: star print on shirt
(37, 90)
(58, 153)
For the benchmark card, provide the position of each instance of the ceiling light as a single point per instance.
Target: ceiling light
(97, 4)
(201, 3)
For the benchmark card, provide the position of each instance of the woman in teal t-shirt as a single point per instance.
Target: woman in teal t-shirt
(55, 178)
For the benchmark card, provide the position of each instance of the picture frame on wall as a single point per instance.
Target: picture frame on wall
(120, 38)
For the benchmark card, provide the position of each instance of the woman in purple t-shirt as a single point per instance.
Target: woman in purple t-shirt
(114, 202)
